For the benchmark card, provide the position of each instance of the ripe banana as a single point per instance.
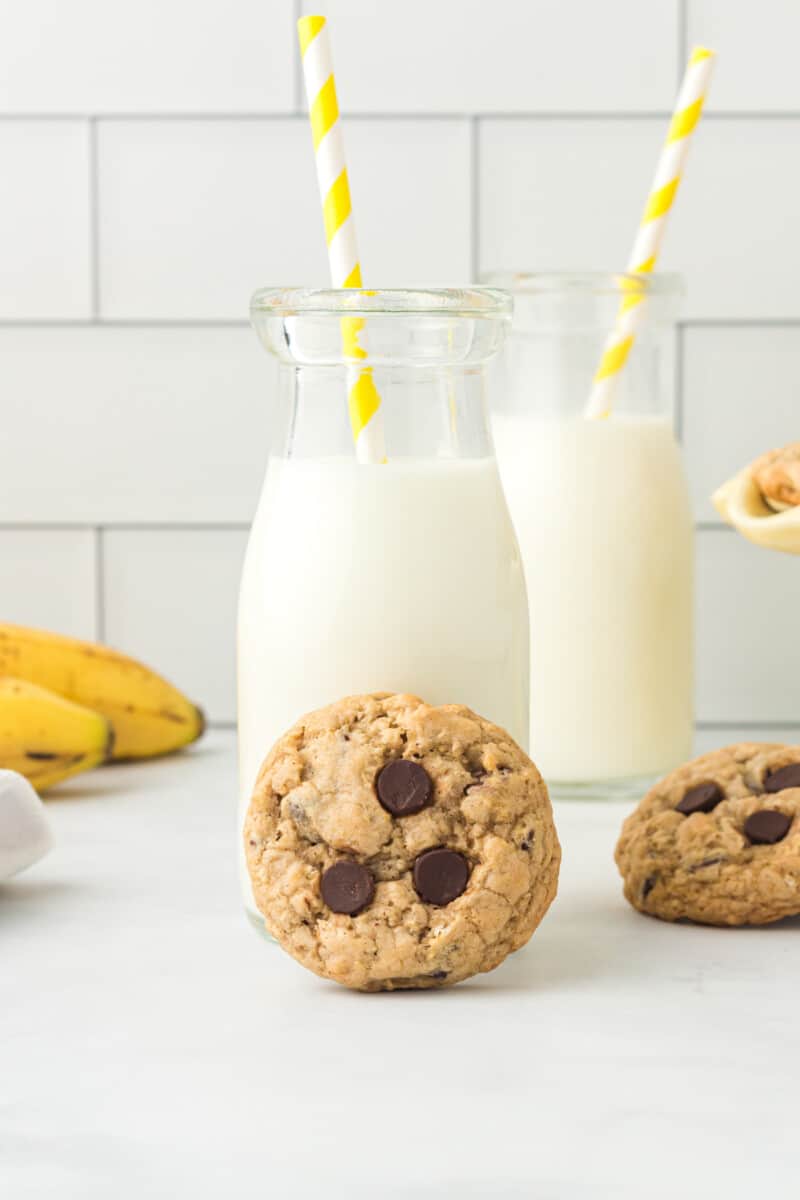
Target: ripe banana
(149, 716)
(47, 738)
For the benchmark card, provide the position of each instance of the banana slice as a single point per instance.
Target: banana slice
(772, 524)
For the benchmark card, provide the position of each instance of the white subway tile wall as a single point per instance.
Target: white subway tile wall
(44, 220)
(48, 577)
(219, 208)
(170, 599)
(112, 424)
(155, 56)
(747, 632)
(497, 56)
(741, 393)
(762, 38)
(159, 168)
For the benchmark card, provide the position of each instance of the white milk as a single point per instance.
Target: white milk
(403, 577)
(602, 516)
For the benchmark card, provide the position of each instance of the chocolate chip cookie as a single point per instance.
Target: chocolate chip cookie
(718, 840)
(392, 844)
(777, 477)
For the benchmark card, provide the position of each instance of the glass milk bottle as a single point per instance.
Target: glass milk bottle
(395, 576)
(602, 513)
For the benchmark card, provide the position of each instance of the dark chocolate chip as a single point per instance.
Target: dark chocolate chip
(784, 777)
(347, 887)
(404, 787)
(766, 827)
(440, 875)
(527, 841)
(702, 798)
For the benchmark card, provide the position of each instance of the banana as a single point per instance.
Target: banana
(46, 738)
(149, 716)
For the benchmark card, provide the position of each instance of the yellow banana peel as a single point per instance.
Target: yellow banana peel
(148, 715)
(740, 503)
(47, 738)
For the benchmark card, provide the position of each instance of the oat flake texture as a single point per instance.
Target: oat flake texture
(315, 804)
(703, 867)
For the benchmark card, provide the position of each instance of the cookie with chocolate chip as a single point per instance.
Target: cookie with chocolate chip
(392, 844)
(718, 840)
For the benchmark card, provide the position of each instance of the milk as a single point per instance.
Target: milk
(603, 520)
(402, 577)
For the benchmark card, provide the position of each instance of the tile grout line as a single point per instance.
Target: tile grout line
(679, 377)
(475, 197)
(99, 584)
(143, 526)
(710, 726)
(140, 526)
(297, 68)
(292, 114)
(683, 40)
(94, 230)
(125, 323)
(722, 323)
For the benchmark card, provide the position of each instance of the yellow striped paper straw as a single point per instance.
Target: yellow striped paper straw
(647, 246)
(326, 128)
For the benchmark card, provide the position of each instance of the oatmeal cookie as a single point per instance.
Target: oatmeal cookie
(392, 844)
(777, 477)
(718, 840)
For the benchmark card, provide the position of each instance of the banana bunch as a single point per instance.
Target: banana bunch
(67, 705)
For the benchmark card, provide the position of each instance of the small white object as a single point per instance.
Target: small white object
(25, 834)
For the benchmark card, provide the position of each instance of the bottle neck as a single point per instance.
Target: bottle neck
(424, 412)
(551, 373)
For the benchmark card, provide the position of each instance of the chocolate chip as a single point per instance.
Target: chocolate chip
(648, 886)
(440, 875)
(766, 827)
(702, 798)
(527, 841)
(347, 887)
(438, 975)
(404, 787)
(784, 777)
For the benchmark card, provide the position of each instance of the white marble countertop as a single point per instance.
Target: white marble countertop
(152, 1045)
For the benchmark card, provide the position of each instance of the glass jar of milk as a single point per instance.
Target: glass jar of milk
(397, 576)
(602, 513)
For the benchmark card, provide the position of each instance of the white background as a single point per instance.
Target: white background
(157, 167)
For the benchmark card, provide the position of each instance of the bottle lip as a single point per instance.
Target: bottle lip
(532, 283)
(482, 302)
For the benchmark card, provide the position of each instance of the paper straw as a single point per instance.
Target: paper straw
(647, 246)
(363, 399)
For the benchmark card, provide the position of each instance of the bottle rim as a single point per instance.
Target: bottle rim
(474, 302)
(531, 283)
